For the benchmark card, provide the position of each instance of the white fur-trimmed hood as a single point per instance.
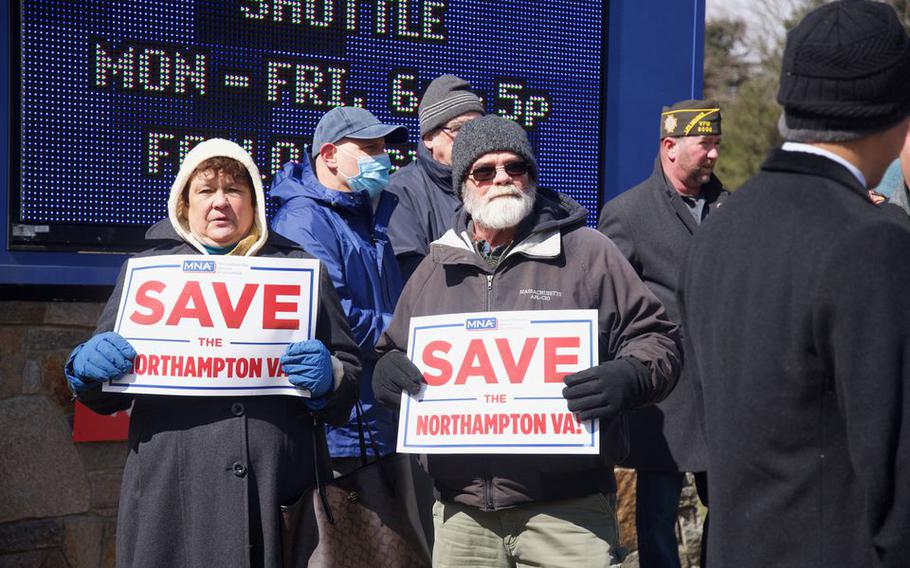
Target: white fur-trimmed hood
(211, 148)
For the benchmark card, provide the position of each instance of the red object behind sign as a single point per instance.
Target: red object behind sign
(91, 427)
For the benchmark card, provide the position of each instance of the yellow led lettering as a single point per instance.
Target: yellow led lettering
(431, 20)
(108, 65)
(186, 144)
(350, 15)
(254, 9)
(308, 78)
(536, 108)
(404, 7)
(155, 153)
(275, 79)
(382, 10)
(282, 7)
(320, 13)
(335, 86)
(403, 97)
(189, 74)
(282, 153)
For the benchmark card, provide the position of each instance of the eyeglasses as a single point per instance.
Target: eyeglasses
(452, 131)
(487, 173)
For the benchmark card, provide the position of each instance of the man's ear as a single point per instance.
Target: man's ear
(670, 146)
(427, 140)
(327, 153)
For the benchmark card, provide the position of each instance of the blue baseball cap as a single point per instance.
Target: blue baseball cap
(354, 122)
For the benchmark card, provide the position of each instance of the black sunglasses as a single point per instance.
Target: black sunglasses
(487, 173)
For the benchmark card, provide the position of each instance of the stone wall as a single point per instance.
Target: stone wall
(58, 499)
(688, 523)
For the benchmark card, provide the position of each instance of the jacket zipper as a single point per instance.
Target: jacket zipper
(487, 492)
(489, 291)
(487, 477)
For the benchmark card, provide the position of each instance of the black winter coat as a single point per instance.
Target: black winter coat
(426, 205)
(796, 297)
(653, 228)
(205, 476)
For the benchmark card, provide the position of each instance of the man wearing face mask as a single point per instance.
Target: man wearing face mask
(334, 206)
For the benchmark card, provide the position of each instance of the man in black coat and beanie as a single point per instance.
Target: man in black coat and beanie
(653, 224)
(426, 199)
(797, 313)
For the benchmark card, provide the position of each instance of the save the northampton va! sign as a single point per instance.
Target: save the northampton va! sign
(494, 383)
(214, 326)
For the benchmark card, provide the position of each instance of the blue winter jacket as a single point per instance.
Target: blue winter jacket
(341, 230)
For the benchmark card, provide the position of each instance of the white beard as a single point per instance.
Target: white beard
(503, 212)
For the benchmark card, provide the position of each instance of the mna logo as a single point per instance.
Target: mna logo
(199, 266)
(476, 324)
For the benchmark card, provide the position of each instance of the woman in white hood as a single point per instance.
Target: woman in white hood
(205, 476)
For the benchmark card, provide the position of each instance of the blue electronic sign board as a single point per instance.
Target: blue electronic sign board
(104, 97)
(113, 94)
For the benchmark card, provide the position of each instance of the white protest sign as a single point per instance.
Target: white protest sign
(494, 383)
(214, 325)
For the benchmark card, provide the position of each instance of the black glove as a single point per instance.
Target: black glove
(394, 373)
(608, 389)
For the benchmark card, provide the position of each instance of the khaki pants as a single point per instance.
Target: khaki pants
(570, 533)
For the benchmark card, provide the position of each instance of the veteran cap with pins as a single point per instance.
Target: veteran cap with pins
(690, 118)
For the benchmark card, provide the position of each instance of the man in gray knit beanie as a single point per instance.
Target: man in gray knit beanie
(515, 246)
(489, 134)
(424, 187)
(497, 157)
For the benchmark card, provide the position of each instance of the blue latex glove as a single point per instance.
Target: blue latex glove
(308, 365)
(104, 357)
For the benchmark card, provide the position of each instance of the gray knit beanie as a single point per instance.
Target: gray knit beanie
(446, 97)
(486, 134)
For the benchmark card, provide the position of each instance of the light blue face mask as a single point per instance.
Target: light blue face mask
(372, 174)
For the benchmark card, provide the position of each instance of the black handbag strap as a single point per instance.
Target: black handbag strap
(365, 434)
(383, 471)
(317, 425)
(360, 424)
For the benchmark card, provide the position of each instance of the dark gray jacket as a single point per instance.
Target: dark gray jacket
(426, 205)
(579, 269)
(795, 299)
(653, 228)
(205, 476)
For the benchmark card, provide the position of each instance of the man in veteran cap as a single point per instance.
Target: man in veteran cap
(794, 297)
(652, 224)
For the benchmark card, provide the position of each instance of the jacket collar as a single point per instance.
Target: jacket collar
(164, 231)
(545, 244)
(551, 210)
(710, 191)
(825, 153)
(539, 235)
(439, 173)
(298, 179)
(813, 165)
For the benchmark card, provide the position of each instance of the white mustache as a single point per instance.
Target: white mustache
(502, 191)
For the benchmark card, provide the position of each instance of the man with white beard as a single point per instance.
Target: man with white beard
(515, 246)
